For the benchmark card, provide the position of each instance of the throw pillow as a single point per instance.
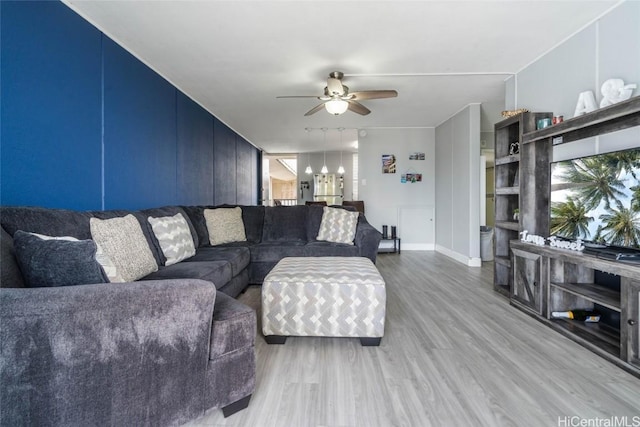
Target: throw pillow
(102, 258)
(225, 225)
(174, 237)
(123, 241)
(338, 225)
(51, 261)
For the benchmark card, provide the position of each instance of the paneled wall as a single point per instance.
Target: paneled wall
(457, 186)
(86, 125)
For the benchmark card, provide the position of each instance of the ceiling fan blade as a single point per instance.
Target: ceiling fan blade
(356, 107)
(315, 109)
(373, 94)
(298, 96)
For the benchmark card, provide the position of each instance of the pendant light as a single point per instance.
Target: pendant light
(308, 170)
(341, 168)
(324, 165)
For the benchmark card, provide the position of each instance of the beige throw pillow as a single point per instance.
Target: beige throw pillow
(123, 241)
(225, 225)
(338, 225)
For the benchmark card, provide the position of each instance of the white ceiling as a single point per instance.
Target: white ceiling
(235, 57)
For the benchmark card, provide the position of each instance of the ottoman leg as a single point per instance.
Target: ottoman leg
(275, 339)
(370, 342)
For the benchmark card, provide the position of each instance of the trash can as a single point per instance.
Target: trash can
(486, 243)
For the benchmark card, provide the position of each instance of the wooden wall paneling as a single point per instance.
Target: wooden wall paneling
(224, 161)
(244, 172)
(194, 153)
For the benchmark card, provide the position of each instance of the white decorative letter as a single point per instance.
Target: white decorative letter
(586, 103)
(614, 91)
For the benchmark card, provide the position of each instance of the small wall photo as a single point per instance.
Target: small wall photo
(388, 163)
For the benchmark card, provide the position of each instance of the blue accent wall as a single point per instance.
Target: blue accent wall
(195, 153)
(51, 121)
(139, 133)
(85, 125)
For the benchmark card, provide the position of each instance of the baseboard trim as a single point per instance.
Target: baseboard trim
(469, 262)
(418, 247)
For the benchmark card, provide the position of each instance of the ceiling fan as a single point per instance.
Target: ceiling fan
(337, 98)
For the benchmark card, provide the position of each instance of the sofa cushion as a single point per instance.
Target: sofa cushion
(330, 249)
(174, 237)
(50, 262)
(234, 326)
(124, 242)
(239, 257)
(217, 272)
(10, 274)
(196, 216)
(314, 218)
(338, 225)
(275, 251)
(52, 222)
(253, 218)
(285, 223)
(225, 225)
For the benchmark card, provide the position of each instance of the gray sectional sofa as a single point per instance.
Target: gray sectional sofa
(157, 351)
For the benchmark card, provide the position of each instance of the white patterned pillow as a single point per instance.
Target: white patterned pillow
(123, 241)
(338, 225)
(174, 237)
(103, 259)
(225, 225)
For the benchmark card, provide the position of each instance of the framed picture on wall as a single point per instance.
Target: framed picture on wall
(417, 156)
(388, 163)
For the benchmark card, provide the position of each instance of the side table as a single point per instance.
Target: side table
(396, 246)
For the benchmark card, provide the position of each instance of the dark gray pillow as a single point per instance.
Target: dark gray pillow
(55, 262)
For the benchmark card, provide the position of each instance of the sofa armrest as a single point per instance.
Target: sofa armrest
(367, 239)
(113, 353)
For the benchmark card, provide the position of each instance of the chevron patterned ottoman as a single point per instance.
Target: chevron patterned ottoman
(324, 297)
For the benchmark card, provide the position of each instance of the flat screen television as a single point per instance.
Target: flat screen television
(597, 199)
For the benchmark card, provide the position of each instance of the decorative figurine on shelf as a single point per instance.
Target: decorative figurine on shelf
(516, 214)
(614, 91)
(586, 103)
(514, 148)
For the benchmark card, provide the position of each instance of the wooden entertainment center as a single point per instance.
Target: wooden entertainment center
(542, 279)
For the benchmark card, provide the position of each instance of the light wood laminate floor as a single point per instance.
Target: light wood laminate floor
(454, 353)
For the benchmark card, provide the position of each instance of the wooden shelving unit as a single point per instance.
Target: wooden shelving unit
(545, 279)
(567, 280)
(508, 184)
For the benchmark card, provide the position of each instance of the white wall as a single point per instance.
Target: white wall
(458, 186)
(411, 207)
(608, 48)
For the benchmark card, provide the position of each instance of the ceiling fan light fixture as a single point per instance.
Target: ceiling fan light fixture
(336, 106)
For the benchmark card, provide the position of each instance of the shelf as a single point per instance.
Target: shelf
(507, 191)
(502, 260)
(509, 225)
(604, 120)
(514, 158)
(597, 334)
(592, 292)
